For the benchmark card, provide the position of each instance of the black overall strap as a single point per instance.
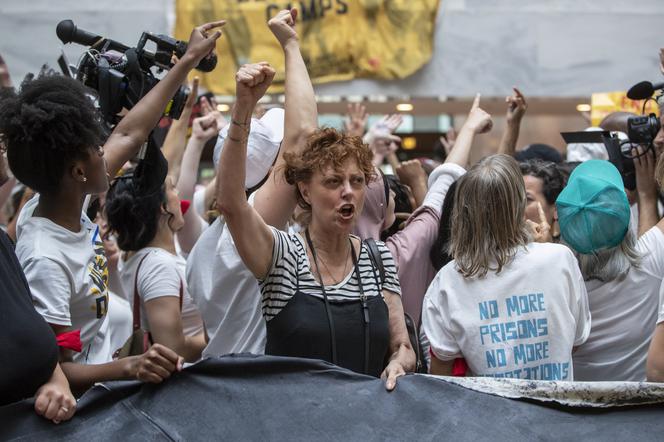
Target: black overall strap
(365, 312)
(330, 322)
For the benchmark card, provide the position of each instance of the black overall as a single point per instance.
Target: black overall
(360, 329)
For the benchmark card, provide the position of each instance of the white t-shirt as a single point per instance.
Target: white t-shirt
(624, 316)
(520, 323)
(161, 274)
(226, 293)
(115, 330)
(67, 274)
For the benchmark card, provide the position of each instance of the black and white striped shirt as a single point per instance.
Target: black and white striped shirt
(290, 262)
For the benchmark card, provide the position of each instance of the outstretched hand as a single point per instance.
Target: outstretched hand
(283, 26)
(252, 81)
(356, 119)
(516, 106)
(201, 42)
(478, 119)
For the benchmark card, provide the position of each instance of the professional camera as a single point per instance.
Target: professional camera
(122, 75)
(643, 129)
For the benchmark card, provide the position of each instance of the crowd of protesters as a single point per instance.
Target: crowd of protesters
(312, 242)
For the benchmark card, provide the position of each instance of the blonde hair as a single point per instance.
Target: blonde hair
(488, 222)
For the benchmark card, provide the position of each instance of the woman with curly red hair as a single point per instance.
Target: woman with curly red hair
(322, 297)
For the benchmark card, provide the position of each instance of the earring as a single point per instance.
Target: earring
(85, 179)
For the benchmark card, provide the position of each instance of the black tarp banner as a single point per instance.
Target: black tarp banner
(270, 398)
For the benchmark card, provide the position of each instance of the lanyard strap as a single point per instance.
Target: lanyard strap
(330, 322)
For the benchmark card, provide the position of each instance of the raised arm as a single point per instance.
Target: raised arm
(203, 129)
(176, 137)
(134, 128)
(516, 109)
(252, 236)
(276, 200)
(478, 122)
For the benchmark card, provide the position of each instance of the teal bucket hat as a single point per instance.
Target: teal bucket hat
(593, 211)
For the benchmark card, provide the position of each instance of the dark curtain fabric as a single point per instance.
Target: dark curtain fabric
(272, 398)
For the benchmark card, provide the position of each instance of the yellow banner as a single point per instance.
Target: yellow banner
(339, 39)
(604, 103)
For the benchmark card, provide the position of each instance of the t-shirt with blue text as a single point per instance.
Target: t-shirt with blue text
(520, 323)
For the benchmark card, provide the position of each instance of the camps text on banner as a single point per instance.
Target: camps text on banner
(339, 39)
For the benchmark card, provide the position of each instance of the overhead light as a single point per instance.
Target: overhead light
(583, 107)
(409, 143)
(223, 107)
(404, 107)
(355, 98)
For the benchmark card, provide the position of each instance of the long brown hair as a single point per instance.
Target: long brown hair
(488, 222)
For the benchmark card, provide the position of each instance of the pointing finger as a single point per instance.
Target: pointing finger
(476, 102)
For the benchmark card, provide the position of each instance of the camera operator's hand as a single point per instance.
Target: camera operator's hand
(283, 26)
(201, 42)
(516, 107)
(646, 187)
(251, 82)
(204, 128)
(479, 121)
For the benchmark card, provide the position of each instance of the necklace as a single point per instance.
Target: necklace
(334, 280)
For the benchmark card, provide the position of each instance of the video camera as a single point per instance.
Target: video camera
(643, 129)
(122, 75)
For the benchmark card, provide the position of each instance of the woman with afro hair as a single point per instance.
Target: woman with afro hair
(55, 144)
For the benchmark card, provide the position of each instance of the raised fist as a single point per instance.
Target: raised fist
(251, 82)
(283, 26)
